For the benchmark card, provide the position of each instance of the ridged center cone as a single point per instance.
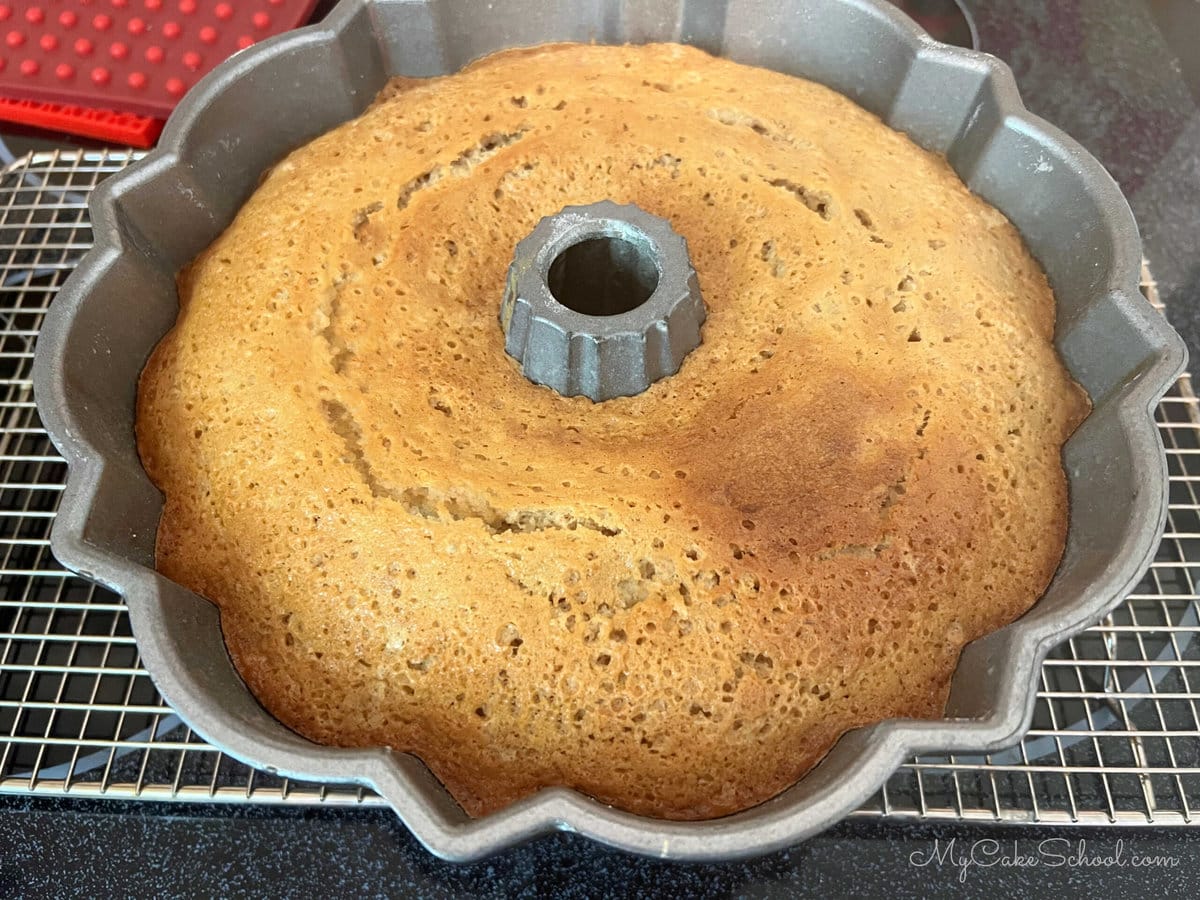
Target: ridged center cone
(601, 300)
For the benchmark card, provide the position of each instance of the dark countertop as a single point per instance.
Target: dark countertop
(139, 850)
(1121, 76)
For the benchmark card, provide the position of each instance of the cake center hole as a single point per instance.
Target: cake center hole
(603, 276)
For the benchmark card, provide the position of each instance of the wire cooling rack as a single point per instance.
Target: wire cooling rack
(1116, 734)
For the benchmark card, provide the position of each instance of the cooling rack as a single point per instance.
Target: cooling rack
(1116, 734)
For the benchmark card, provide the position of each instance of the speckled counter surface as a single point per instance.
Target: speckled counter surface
(107, 849)
(1123, 77)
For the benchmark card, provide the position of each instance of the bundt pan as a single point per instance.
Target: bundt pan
(153, 218)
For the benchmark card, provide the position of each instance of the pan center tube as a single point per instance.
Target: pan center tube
(601, 301)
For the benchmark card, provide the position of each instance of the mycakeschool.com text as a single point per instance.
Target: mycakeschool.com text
(966, 857)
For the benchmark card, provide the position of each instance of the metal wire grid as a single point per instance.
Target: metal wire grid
(1116, 736)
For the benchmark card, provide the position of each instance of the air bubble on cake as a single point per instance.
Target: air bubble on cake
(864, 219)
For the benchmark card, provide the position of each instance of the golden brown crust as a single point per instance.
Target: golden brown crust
(674, 602)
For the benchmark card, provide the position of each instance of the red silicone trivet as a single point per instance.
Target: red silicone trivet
(103, 124)
(131, 55)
